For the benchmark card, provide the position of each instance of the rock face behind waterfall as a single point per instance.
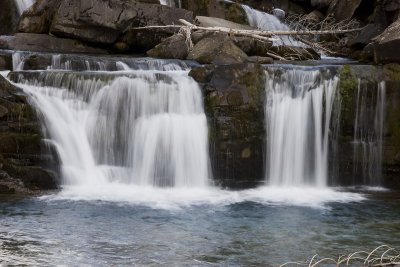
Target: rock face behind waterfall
(234, 104)
(8, 17)
(24, 160)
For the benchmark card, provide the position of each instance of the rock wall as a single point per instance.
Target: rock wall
(234, 105)
(27, 165)
(359, 85)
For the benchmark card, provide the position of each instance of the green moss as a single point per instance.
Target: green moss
(348, 84)
(392, 71)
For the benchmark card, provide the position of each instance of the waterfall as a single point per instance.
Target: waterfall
(144, 128)
(268, 22)
(170, 3)
(368, 134)
(298, 118)
(23, 5)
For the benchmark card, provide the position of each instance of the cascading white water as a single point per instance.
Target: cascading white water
(268, 22)
(169, 3)
(368, 133)
(23, 5)
(298, 116)
(146, 128)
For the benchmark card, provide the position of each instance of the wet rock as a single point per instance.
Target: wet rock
(26, 165)
(38, 18)
(343, 9)
(234, 104)
(9, 17)
(217, 49)
(46, 43)
(171, 47)
(386, 45)
(202, 74)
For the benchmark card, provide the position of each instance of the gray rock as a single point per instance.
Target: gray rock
(171, 47)
(252, 47)
(366, 35)
(145, 39)
(217, 49)
(386, 45)
(96, 21)
(46, 43)
(38, 18)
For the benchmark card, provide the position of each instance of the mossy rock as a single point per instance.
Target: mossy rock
(392, 72)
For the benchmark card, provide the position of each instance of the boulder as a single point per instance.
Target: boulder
(234, 105)
(343, 9)
(38, 18)
(366, 35)
(96, 21)
(46, 43)
(386, 45)
(217, 8)
(171, 47)
(217, 49)
(9, 17)
(145, 39)
(314, 16)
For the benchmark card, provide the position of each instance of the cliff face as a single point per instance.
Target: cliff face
(27, 165)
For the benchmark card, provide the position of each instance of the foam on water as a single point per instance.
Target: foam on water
(185, 197)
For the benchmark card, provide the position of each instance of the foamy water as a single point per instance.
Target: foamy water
(178, 198)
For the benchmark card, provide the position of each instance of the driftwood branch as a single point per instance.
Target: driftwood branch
(264, 35)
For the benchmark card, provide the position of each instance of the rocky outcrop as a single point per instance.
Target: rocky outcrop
(46, 43)
(386, 45)
(217, 49)
(9, 17)
(26, 164)
(358, 89)
(234, 104)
